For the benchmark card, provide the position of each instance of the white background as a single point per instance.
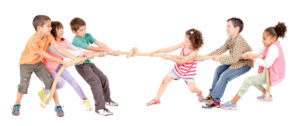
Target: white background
(150, 25)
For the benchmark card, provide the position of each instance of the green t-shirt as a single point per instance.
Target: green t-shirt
(84, 42)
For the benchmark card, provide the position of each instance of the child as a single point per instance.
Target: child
(31, 61)
(273, 59)
(233, 66)
(184, 68)
(89, 72)
(52, 67)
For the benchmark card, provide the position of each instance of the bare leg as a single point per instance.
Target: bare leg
(19, 98)
(55, 98)
(163, 86)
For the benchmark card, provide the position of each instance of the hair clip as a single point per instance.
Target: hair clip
(191, 32)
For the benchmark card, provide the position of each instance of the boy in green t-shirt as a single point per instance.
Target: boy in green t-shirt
(90, 73)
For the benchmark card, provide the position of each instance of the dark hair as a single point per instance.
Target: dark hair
(56, 25)
(278, 31)
(195, 37)
(237, 23)
(76, 23)
(40, 20)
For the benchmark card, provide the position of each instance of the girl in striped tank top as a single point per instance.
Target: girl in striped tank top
(184, 68)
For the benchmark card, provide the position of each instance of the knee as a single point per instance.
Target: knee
(164, 82)
(93, 81)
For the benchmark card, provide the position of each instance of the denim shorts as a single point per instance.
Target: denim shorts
(176, 77)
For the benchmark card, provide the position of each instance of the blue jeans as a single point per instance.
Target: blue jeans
(222, 76)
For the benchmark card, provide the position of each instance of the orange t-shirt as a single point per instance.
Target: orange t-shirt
(34, 44)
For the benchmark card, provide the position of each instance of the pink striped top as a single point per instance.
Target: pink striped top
(187, 70)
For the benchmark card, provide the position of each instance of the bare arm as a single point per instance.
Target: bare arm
(185, 59)
(61, 50)
(168, 49)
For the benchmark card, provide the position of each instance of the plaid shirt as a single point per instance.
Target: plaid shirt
(236, 47)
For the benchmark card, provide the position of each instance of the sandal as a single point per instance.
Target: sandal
(153, 102)
(200, 97)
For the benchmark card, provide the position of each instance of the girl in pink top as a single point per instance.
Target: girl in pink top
(53, 67)
(272, 58)
(184, 68)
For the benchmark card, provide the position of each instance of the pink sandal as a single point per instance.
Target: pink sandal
(153, 102)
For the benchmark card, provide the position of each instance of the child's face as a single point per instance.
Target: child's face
(268, 39)
(187, 42)
(80, 32)
(46, 28)
(60, 32)
(231, 30)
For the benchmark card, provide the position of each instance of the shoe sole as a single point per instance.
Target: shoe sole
(105, 115)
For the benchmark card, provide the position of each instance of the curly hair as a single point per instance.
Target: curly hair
(195, 36)
(278, 31)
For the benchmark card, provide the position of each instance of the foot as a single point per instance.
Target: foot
(112, 103)
(211, 104)
(42, 95)
(228, 106)
(268, 97)
(200, 97)
(16, 109)
(59, 111)
(260, 98)
(206, 99)
(87, 105)
(153, 102)
(104, 112)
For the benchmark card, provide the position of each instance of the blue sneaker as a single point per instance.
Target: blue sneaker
(59, 111)
(225, 104)
(229, 106)
(16, 109)
(261, 98)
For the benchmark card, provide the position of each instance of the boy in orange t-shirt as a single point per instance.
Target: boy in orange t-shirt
(31, 61)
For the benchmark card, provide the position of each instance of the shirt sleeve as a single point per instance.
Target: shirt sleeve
(273, 53)
(75, 51)
(221, 50)
(234, 57)
(90, 38)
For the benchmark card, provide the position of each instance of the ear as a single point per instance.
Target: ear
(38, 28)
(237, 29)
(74, 31)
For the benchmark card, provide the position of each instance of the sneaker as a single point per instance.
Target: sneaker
(223, 105)
(42, 95)
(153, 102)
(264, 98)
(104, 112)
(112, 103)
(59, 111)
(228, 106)
(211, 104)
(87, 105)
(16, 109)
(261, 98)
(206, 99)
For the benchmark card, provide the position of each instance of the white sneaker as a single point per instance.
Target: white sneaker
(112, 103)
(104, 112)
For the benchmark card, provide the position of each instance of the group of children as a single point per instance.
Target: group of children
(46, 49)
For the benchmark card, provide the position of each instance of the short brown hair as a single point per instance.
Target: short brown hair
(195, 36)
(237, 23)
(40, 20)
(76, 23)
